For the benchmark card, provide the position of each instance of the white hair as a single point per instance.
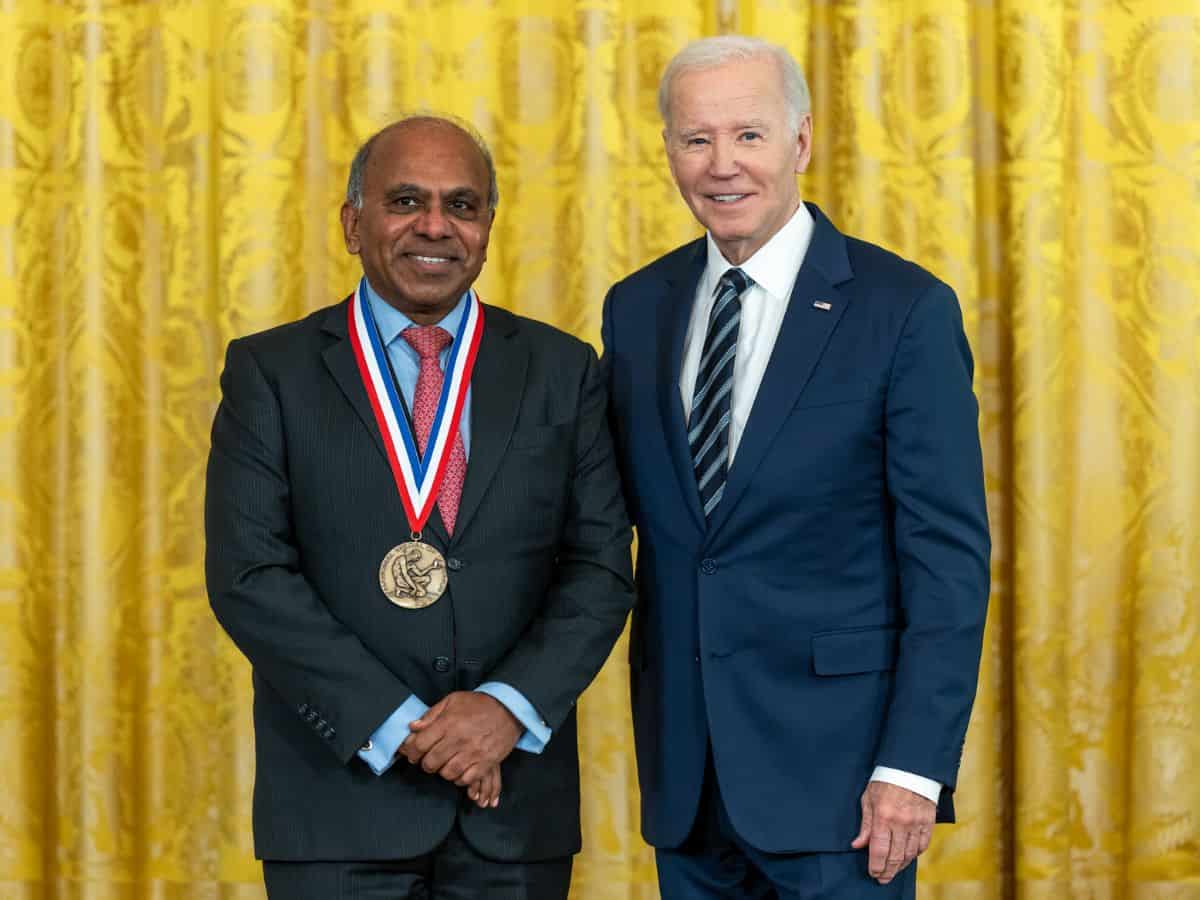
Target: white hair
(711, 52)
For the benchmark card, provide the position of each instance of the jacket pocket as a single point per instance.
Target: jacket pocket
(855, 650)
(817, 396)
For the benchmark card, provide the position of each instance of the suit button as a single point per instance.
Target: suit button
(708, 566)
(697, 657)
(454, 564)
(441, 664)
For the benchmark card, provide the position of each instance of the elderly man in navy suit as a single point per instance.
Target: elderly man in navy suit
(798, 436)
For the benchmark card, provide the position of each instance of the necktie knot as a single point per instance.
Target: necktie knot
(734, 278)
(427, 340)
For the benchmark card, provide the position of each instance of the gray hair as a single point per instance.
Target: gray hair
(710, 52)
(358, 167)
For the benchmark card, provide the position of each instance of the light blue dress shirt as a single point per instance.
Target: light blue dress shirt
(380, 751)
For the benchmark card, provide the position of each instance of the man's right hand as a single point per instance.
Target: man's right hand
(462, 735)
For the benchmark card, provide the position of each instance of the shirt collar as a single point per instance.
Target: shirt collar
(776, 263)
(391, 321)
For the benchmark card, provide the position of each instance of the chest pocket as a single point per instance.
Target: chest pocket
(835, 394)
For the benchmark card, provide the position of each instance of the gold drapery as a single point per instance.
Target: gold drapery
(170, 175)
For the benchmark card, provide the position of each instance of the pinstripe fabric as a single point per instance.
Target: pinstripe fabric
(708, 427)
(452, 871)
(300, 509)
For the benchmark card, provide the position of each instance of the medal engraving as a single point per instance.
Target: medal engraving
(413, 575)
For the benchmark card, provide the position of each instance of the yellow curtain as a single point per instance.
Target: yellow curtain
(170, 175)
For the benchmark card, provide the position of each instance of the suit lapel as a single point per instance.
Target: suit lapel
(497, 386)
(674, 312)
(802, 338)
(339, 359)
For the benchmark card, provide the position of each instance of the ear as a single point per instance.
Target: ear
(804, 144)
(488, 236)
(666, 136)
(350, 216)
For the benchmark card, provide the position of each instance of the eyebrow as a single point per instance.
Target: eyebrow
(406, 188)
(755, 124)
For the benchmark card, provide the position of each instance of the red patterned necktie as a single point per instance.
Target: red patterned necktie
(429, 341)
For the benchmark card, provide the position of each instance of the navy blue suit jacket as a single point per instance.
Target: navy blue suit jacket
(829, 617)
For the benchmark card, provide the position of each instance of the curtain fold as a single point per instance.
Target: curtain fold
(170, 177)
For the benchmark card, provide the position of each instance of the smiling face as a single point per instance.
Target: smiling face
(422, 232)
(733, 154)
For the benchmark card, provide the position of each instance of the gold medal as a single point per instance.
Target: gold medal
(413, 575)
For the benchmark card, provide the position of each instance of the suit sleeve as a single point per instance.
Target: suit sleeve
(255, 584)
(592, 592)
(935, 483)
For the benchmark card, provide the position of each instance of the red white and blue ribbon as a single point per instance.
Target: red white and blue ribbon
(418, 477)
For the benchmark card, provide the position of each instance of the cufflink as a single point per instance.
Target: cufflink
(367, 747)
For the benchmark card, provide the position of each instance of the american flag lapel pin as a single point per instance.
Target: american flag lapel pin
(822, 305)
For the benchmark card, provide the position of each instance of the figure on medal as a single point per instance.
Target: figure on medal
(408, 574)
(413, 575)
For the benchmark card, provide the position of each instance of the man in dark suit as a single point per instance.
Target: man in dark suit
(413, 499)
(796, 428)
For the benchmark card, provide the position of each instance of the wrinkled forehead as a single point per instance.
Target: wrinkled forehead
(748, 91)
(431, 151)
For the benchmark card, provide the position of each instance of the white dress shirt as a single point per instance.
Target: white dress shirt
(773, 269)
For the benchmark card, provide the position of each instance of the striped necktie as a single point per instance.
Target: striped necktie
(708, 427)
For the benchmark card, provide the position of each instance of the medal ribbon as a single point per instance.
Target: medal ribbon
(418, 478)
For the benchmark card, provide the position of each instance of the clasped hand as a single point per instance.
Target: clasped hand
(463, 738)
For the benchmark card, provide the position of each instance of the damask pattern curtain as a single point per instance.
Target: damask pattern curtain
(170, 175)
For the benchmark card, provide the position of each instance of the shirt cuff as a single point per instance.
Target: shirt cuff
(379, 752)
(537, 732)
(918, 784)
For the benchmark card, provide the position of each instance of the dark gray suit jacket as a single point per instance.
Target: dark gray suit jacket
(300, 510)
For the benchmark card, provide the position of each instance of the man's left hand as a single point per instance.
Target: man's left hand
(462, 736)
(897, 824)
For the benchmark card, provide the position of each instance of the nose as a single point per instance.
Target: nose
(433, 222)
(723, 158)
